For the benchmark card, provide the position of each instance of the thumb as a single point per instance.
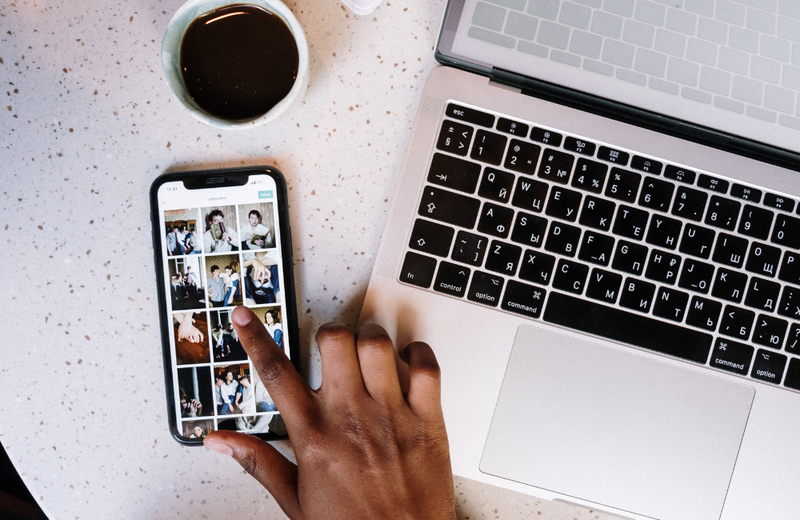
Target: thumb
(274, 471)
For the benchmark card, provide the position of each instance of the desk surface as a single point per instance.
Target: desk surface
(87, 123)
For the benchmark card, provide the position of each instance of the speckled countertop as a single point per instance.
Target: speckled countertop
(86, 124)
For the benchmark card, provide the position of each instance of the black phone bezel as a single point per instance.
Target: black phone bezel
(211, 179)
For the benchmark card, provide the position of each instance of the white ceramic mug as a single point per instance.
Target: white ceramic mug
(171, 60)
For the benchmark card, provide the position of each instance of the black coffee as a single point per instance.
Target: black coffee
(238, 61)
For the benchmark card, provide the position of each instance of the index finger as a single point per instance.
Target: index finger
(290, 392)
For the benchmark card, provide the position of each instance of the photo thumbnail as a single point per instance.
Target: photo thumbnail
(194, 392)
(219, 231)
(257, 226)
(190, 330)
(272, 319)
(186, 283)
(181, 234)
(272, 423)
(233, 391)
(197, 429)
(262, 279)
(223, 281)
(224, 340)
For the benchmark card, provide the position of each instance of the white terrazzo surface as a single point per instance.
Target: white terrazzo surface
(86, 124)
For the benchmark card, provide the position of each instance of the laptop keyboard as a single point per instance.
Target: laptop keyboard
(597, 238)
(737, 56)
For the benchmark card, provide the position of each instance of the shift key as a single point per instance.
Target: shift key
(449, 207)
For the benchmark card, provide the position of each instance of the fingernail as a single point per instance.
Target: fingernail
(219, 447)
(242, 315)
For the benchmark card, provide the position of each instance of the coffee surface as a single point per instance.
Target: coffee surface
(238, 61)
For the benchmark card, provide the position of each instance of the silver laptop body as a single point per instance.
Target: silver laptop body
(608, 282)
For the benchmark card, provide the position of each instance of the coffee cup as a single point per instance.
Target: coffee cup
(233, 65)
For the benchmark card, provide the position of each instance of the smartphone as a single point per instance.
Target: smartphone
(221, 239)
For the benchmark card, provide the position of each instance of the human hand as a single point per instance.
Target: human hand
(187, 330)
(259, 243)
(364, 449)
(260, 271)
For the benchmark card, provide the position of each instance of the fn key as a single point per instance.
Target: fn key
(418, 270)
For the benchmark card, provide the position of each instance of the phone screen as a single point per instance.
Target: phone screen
(221, 247)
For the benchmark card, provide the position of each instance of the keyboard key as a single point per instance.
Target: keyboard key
(762, 294)
(690, 203)
(639, 330)
(488, 147)
(793, 375)
(556, 166)
(679, 174)
(746, 193)
(454, 138)
(573, 144)
(597, 213)
(763, 259)
(737, 322)
(663, 267)
(469, 115)
(770, 331)
(790, 268)
(787, 231)
(449, 207)
(629, 257)
(756, 222)
(670, 304)
(768, 366)
(529, 229)
(508, 126)
(563, 203)
(703, 313)
(451, 279)
(646, 165)
(637, 295)
(697, 241)
(729, 285)
(611, 155)
(723, 213)
(712, 183)
(431, 238)
(732, 356)
(495, 220)
(790, 303)
(656, 194)
(570, 276)
(454, 173)
(596, 248)
(530, 194)
(541, 135)
(522, 157)
(603, 286)
(496, 185)
(730, 250)
(623, 185)
(563, 239)
(776, 201)
(696, 276)
(537, 267)
(523, 299)
(664, 232)
(793, 339)
(630, 222)
(589, 175)
(485, 288)
(503, 258)
(418, 270)
(469, 248)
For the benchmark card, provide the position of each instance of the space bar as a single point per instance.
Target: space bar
(627, 327)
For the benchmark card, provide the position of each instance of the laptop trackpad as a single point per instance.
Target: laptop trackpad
(616, 428)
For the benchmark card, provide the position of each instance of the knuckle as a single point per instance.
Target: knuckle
(249, 462)
(333, 332)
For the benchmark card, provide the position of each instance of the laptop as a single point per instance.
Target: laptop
(596, 228)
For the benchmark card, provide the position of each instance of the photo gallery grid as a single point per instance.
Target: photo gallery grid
(219, 257)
